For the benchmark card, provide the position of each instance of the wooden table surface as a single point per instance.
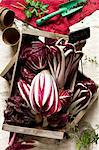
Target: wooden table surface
(90, 69)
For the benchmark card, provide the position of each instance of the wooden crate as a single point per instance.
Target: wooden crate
(47, 133)
(40, 132)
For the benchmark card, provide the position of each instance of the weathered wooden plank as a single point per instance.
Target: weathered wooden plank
(9, 65)
(37, 32)
(34, 131)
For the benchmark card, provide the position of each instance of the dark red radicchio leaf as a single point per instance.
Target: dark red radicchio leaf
(58, 120)
(21, 146)
(35, 55)
(27, 74)
(90, 84)
(18, 113)
(50, 41)
(61, 42)
(65, 98)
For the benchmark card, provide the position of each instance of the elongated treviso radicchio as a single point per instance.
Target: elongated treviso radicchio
(81, 98)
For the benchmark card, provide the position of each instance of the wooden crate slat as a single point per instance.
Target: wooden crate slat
(9, 65)
(45, 34)
(34, 131)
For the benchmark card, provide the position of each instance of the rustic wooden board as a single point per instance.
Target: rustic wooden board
(45, 34)
(34, 131)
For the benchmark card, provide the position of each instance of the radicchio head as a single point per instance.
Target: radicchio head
(35, 55)
(44, 94)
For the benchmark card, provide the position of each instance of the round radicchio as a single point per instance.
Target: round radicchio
(35, 55)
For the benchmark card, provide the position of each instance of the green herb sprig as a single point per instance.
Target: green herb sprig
(85, 135)
(86, 139)
(32, 8)
(35, 8)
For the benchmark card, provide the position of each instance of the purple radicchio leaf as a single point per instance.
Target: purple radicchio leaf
(23, 145)
(81, 99)
(26, 74)
(58, 120)
(18, 113)
(90, 84)
(50, 41)
(35, 55)
(43, 100)
(24, 90)
(65, 98)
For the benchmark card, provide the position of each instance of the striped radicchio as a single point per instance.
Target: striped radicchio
(44, 94)
(24, 89)
(81, 98)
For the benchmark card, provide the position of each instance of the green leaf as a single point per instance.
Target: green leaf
(44, 6)
(28, 1)
(35, 12)
(78, 145)
(40, 5)
(28, 13)
(86, 138)
(27, 7)
(37, 8)
(37, 5)
(33, 3)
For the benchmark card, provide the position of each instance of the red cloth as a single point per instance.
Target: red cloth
(57, 24)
